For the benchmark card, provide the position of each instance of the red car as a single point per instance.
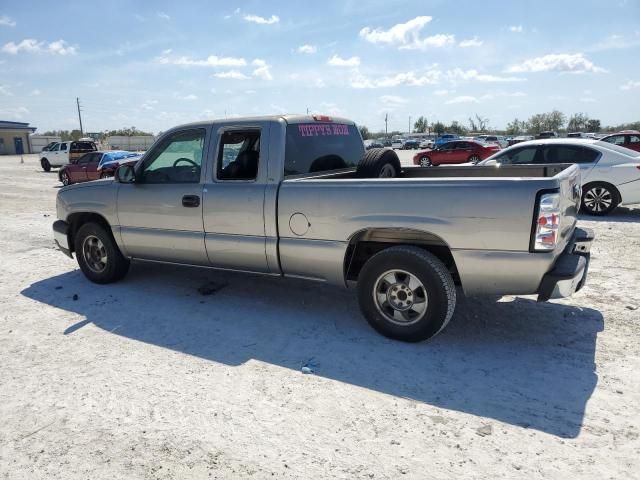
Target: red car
(628, 139)
(95, 165)
(459, 151)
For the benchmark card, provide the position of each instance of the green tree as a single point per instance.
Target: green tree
(555, 120)
(593, 125)
(364, 132)
(455, 127)
(577, 122)
(516, 127)
(479, 124)
(438, 128)
(421, 125)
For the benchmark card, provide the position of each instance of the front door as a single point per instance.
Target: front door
(160, 215)
(17, 143)
(77, 171)
(234, 199)
(91, 169)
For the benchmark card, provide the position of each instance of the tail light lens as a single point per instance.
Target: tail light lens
(547, 223)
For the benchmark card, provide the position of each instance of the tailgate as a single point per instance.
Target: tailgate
(570, 197)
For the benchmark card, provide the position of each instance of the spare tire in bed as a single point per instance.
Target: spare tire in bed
(379, 163)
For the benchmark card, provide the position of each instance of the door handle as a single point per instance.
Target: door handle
(191, 201)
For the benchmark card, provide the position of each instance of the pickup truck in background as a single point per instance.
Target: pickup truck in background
(65, 152)
(298, 196)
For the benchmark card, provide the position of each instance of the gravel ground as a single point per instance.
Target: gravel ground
(149, 378)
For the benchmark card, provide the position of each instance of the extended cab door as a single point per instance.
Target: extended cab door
(160, 215)
(234, 199)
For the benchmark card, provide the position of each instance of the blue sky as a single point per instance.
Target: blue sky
(157, 64)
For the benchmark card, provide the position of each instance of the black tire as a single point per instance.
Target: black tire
(379, 163)
(474, 159)
(104, 174)
(599, 198)
(116, 265)
(46, 166)
(425, 162)
(64, 178)
(436, 284)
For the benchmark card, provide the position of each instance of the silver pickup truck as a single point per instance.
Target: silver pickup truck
(297, 196)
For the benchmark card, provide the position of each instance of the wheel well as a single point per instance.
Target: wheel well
(76, 220)
(367, 243)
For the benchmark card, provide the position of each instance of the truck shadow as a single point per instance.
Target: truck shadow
(518, 362)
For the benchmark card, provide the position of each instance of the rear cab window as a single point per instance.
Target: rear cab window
(83, 147)
(313, 147)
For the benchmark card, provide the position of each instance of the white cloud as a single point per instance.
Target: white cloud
(459, 74)
(393, 100)
(561, 62)
(35, 93)
(149, 104)
(516, 28)
(441, 93)
(261, 20)
(329, 108)
(630, 85)
(163, 16)
(263, 69)
(210, 61)
(405, 78)
(7, 21)
(4, 90)
(31, 45)
(232, 74)
(406, 36)
(587, 100)
(337, 61)
(307, 49)
(189, 97)
(471, 42)
(462, 99)
(16, 113)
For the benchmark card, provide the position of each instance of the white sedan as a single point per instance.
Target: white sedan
(610, 173)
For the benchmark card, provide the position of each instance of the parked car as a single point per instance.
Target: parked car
(426, 143)
(397, 144)
(496, 139)
(455, 153)
(575, 135)
(65, 152)
(386, 142)
(547, 134)
(446, 137)
(208, 194)
(610, 173)
(411, 144)
(95, 165)
(369, 144)
(519, 139)
(628, 139)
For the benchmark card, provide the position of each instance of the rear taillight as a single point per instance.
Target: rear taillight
(322, 118)
(547, 223)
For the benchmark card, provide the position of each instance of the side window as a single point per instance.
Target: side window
(569, 154)
(56, 147)
(83, 160)
(519, 156)
(448, 146)
(63, 147)
(634, 139)
(177, 159)
(615, 139)
(239, 155)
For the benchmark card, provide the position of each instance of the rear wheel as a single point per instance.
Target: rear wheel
(599, 198)
(104, 174)
(379, 163)
(46, 166)
(406, 293)
(474, 159)
(98, 255)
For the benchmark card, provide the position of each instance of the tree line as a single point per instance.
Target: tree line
(71, 135)
(555, 121)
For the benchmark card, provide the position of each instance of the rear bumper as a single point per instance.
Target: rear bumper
(569, 272)
(61, 237)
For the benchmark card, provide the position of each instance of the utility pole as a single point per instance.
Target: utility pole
(79, 116)
(386, 120)
(307, 110)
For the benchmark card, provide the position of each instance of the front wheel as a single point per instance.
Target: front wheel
(474, 159)
(599, 198)
(425, 162)
(406, 293)
(98, 255)
(64, 178)
(46, 166)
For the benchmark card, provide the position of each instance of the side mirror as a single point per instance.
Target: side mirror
(125, 174)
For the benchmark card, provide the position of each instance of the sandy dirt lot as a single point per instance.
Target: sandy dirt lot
(148, 378)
